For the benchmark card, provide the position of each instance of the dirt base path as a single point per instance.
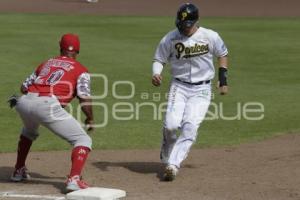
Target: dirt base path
(267, 170)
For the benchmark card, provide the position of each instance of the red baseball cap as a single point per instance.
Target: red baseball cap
(70, 42)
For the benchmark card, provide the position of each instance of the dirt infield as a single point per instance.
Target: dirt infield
(267, 170)
(155, 7)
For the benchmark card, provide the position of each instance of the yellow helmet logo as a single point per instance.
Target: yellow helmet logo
(183, 16)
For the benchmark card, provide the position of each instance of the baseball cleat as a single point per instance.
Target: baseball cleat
(20, 175)
(170, 173)
(75, 183)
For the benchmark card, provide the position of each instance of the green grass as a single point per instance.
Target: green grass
(264, 67)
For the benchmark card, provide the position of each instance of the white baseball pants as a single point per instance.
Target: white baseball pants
(187, 107)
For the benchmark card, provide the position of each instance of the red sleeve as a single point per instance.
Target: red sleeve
(39, 68)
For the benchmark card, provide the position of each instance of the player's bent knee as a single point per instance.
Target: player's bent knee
(85, 141)
(32, 135)
(172, 124)
(190, 131)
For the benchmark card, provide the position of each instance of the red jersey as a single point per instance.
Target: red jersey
(57, 76)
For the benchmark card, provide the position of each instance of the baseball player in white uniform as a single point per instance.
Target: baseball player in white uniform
(190, 50)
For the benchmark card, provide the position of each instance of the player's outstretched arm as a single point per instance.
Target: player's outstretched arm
(87, 109)
(84, 95)
(223, 67)
(157, 68)
(29, 81)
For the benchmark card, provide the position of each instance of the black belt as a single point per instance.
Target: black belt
(197, 83)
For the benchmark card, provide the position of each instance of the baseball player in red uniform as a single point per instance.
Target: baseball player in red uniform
(46, 91)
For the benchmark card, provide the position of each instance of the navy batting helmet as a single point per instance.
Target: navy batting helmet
(187, 16)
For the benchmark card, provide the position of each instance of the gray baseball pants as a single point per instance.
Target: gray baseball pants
(36, 110)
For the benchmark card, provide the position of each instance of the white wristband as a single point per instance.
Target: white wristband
(157, 68)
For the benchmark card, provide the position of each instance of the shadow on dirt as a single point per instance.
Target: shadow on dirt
(137, 167)
(36, 179)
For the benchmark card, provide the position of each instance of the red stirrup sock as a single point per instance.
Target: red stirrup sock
(79, 156)
(23, 150)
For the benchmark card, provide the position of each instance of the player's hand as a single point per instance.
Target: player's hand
(156, 80)
(222, 89)
(89, 124)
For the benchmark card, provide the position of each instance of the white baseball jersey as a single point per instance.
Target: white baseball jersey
(191, 58)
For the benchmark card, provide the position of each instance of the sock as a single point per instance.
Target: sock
(79, 156)
(23, 150)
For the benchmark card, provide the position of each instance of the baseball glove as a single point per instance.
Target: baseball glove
(13, 100)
